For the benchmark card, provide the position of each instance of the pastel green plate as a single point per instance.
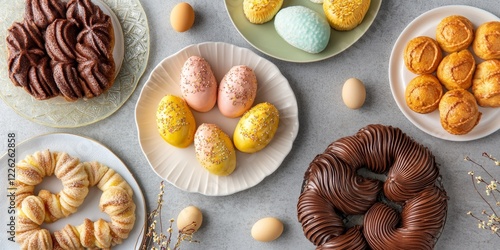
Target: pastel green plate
(265, 38)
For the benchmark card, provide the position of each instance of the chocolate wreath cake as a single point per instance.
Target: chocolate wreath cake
(333, 190)
(62, 49)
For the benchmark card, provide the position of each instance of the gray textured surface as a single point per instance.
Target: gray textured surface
(323, 119)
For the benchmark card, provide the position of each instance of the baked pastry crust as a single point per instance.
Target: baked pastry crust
(486, 43)
(486, 83)
(116, 201)
(261, 11)
(347, 14)
(422, 55)
(423, 93)
(456, 70)
(454, 33)
(458, 112)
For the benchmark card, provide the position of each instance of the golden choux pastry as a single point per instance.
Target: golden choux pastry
(423, 93)
(422, 55)
(486, 83)
(261, 11)
(486, 43)
(458, 112)
(456, 70)
(347, 14)
(454, 33)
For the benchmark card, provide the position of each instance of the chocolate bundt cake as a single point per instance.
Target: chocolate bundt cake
(62, 49)
(333, 190)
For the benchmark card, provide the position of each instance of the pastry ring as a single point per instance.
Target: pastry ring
(76, 177)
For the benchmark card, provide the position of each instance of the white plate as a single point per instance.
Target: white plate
(86, 150)
(179, 166)
(399, 76)
(131, 53)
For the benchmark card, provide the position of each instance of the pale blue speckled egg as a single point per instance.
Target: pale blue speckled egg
(303, 28)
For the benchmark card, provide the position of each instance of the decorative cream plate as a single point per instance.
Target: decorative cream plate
(132, 44)
(86, 150)
(265, 38)
(179, 166)
(399, 76)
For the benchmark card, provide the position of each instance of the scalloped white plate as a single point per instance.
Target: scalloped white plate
(399, 76)
(86, 150)
(179, 166)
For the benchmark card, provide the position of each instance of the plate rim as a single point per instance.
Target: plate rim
(126, 169)
(295, 129)
(376, 9)
(393, 64)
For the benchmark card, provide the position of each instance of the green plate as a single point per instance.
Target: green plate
(265, 38)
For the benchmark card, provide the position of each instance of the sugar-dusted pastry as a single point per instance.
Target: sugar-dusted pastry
(214, 150)
(423, 93)
(456, 70)
(486, 83)
(175, 122)
(422, 55)
(237, 91)
(347, 14)
(486, 43)
(454, 33)
(261, 11)
(303, 28)
(198, 84)
(458, 111)
(256, 128)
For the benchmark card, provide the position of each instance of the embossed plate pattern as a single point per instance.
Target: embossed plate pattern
(58, 113)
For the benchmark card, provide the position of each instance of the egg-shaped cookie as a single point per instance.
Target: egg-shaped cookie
(261, 11)
(458, 112)
(198, 84)
(256, 128)
(486, 83)
(237, 91)
(454, 33)
(345, 14)
(214, 150)
(303, 28)
(423, 93)
(175, 122)
(422, 55)
(486, 44)
(456, 70)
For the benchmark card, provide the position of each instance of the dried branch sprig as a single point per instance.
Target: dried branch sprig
(492, 221)
(155, 239)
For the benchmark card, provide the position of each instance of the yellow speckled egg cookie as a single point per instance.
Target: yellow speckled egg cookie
(214, 150)
(261, 11)
(346, 14)
(256, 128)
(175, 121)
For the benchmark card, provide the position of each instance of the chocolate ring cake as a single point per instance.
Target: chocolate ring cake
(62, 49)
(333, 190)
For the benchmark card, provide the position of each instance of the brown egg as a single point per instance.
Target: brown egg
(182, 17)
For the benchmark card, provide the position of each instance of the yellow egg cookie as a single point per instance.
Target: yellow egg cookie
(175, 121)
(486, 83)
(261, 11)
(214, 150)
(256, 128)
(347, 14)
(454, 33)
